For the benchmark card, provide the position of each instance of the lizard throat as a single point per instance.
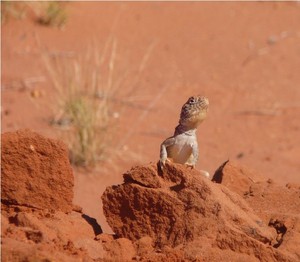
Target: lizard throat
(180, 129)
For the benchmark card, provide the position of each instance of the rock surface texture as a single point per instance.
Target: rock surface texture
(180, 208)
(36, 171)
(38, 219)
(174, 215)
(276, 205)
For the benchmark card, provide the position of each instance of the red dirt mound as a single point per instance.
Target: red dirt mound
(265, 196)
(37, 235)
(38, 223)
(276, 205)
(170, 215)
(182, 209)
(36, 172)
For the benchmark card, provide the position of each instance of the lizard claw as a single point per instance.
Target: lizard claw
(190, 166)
(162, 163)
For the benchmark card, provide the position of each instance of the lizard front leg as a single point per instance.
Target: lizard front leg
(163, 150)
(192, 161)
(195, 153)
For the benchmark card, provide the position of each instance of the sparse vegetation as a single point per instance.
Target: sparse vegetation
(89, 89)
(49, 13)
(11, 9)
(53, 14)
(83, 93)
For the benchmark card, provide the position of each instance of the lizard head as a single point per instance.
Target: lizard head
(194, 111)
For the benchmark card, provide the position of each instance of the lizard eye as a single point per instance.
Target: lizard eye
(192, 100)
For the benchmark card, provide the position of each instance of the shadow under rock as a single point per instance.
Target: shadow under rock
(93, 222)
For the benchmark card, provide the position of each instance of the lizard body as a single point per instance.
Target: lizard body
(182, 147)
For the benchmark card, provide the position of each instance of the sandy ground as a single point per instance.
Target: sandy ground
(243, 56)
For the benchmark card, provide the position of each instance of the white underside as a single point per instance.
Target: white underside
(181, 151)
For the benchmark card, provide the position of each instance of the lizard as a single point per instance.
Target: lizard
(182, 147)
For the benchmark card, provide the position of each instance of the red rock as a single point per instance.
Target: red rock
(235, 177)
(144, 246)
(121, 249)
(4, 224)
(93, 248)
(185, 208)
(36, 172)
(69, 234)
(174, 215)
(145, 176)
(280, 207)
(15, 250)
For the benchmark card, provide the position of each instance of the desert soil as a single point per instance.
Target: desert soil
(174, 214)
(243, 56)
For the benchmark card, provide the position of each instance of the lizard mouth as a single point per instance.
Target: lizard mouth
(203, 102)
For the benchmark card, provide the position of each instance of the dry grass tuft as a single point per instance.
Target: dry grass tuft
(9, 9)
(52, 14)
(49, 13)
(83, 98)
(90, 88)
